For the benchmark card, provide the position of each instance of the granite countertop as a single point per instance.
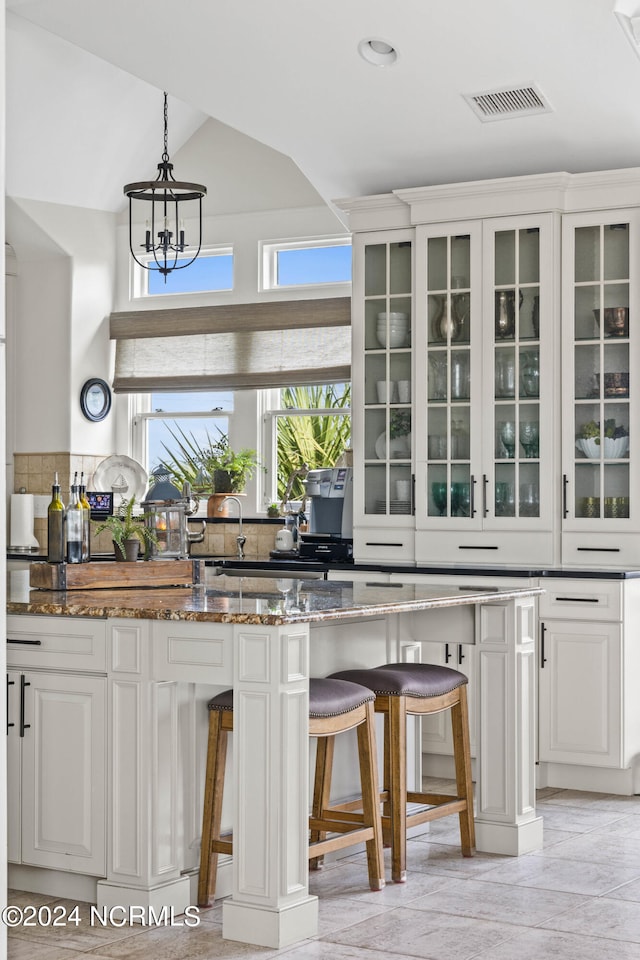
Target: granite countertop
(253, 600)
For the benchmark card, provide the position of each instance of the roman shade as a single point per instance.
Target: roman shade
(250, 345)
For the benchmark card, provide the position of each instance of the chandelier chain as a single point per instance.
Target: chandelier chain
(165, 155)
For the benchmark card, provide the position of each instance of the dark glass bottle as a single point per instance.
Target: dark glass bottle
(74, 526)
(86, 520)
(55, 525)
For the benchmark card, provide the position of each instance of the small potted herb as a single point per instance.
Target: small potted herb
(128, 533)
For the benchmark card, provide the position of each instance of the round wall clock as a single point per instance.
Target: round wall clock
(95, 399)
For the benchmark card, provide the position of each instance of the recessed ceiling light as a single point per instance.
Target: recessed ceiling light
(377, 52)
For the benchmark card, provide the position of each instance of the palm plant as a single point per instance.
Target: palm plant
(124, 526)
(317, 440)
(210, 467)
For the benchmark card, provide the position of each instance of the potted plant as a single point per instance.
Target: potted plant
(211, 467)
(127, 532)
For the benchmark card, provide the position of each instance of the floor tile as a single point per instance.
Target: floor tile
(501, 902)
(537, 944)
(568, 876)
(427, 934)
(601, 917)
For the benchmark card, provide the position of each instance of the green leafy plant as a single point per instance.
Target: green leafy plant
(317, 440)
(273, 510)
(123, 525)
(400, 423)
(210, 467)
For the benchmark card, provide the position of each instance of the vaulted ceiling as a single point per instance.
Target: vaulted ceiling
(83, 81)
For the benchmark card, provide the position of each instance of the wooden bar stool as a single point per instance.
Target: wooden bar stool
(418, 689)
(335, 706)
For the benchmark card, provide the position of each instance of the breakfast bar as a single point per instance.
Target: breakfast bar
(266, 638)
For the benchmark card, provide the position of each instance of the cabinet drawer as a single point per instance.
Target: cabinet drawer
(59, 643)
(193, 652)
(484, 547)
(383, 544)
(615, 550)
(581, 599)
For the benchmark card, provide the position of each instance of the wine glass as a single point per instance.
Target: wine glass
(529, 437)
(439, 494)
(464, 498)
(505, 499)
(455, 498)
(507, 432)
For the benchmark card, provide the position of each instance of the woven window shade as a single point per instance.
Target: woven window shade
(235, 347)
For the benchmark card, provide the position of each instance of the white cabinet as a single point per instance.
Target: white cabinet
(579, 696)
(484, 373)
(588, 667)
(601, 311)
(56, 747)
(382, 410)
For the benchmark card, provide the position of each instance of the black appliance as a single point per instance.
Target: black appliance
(325, 548)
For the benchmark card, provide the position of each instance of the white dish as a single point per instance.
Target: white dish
(393, 317)
(125, 477)
(399, 448)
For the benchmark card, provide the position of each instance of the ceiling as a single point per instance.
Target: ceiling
(83, 104)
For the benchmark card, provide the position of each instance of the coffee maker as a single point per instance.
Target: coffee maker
(330, 495)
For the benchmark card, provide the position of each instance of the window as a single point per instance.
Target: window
(180, 418)
(306, 263)
(211, 272)
(312, 426)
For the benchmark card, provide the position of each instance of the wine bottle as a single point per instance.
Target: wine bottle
(74, 525)
(86, 520)
(55, 525)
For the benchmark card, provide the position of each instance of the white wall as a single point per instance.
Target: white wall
(65, 295)
(3, 757)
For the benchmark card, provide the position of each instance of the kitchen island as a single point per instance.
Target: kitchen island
(161, 652)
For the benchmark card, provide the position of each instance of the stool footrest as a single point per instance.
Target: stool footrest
(347, 839)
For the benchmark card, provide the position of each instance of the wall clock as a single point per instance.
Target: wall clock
(95, 399)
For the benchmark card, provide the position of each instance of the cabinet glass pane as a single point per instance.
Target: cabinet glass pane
(460, 262)
(400, 269)
(375, 269)
(529, 255)
(587, 254)
(616, 251)
(505, 258)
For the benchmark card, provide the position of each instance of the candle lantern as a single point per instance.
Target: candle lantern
(166, 509)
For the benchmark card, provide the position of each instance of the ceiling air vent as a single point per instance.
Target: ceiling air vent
(508, 102)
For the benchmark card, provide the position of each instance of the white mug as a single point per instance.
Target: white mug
(384, 390)
(404, 391)
(284, 540)
(403, 489)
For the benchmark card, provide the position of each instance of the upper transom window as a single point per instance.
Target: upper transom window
(299, 263)
(212, 272)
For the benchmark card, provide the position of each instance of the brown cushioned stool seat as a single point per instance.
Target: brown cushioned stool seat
(335, 706)
(418, 689)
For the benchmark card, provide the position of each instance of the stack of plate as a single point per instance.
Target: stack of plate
(395, 506)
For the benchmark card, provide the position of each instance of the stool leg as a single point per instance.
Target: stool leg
(370, 797)
(397, 721)
(462, 756)
(321, 790)
(212, 813)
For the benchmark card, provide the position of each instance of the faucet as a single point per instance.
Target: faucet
(240, 539)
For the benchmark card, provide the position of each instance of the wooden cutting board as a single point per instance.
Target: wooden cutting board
(97, 574)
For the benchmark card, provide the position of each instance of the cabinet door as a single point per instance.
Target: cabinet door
(580, 693)
(14, 780)
(485, 357)
(436, 730)
(63, 772)
(448, 376)
(382, 389)
(601, 332)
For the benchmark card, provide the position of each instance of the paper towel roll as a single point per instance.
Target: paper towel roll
(22, 537)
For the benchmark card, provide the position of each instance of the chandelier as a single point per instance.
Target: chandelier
(164, 234)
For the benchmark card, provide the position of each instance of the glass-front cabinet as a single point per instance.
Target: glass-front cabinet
(600, 494)
(382, 396)
(484, 358)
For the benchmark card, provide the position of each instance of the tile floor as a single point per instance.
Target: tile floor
(578, 899)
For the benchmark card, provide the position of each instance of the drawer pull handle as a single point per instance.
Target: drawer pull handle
(578, 599)
(23, 684)
(598, 549)
(543, 659)
(10, 683)
(26, 643)
(382, 543)
(463, 546)
(447, 653)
